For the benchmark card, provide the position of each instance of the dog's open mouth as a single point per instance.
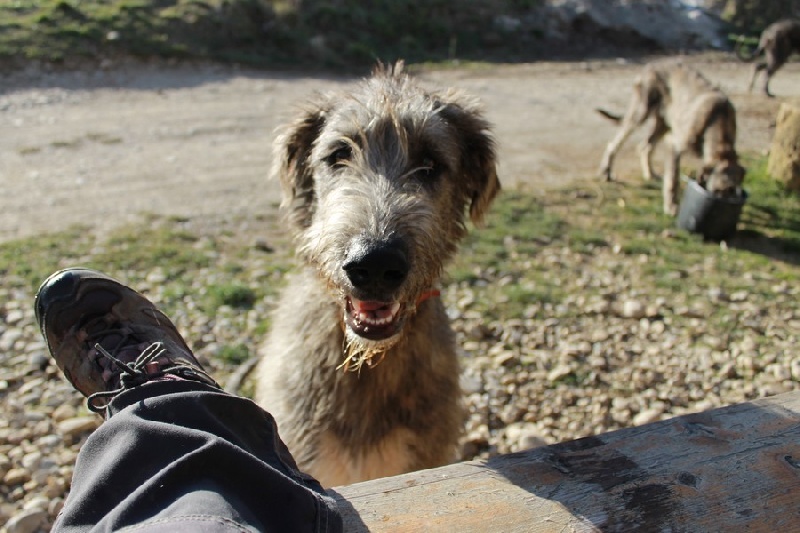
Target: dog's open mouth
(372, 320)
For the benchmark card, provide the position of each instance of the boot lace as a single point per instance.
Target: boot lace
(152, 364)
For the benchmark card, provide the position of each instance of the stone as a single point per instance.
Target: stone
(14, 316)
(72, 427)
(647, 416)
(558, 373)
(64, 412)
(633, 309)
(16, 476)
(524, 436)
(27, 521)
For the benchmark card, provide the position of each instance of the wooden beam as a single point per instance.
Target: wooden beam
(731, 469)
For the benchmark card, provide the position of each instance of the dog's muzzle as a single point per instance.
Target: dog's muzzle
(376, 270)
(724, 191)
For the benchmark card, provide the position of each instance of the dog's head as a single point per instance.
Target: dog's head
(377, 183)
(724, 179)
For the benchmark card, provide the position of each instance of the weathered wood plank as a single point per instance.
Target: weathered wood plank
(731, 469)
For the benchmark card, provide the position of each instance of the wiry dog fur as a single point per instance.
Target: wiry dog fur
(777, 42)
(360, 367)
(695, 117)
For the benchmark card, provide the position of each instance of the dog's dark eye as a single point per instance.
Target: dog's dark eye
(429, 169)
(339, 156)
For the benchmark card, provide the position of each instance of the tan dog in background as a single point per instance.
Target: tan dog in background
(694, 116)
(777, 43)
(360, 367)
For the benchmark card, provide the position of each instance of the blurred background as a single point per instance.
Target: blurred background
(350, 34)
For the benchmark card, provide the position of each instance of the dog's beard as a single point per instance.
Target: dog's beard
(359, 351)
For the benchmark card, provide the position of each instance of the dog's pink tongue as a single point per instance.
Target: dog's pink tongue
(368, 306)
(374, 309)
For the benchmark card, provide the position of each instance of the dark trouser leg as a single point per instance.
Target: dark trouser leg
(179, 455)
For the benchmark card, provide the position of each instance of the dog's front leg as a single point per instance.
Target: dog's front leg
(758, 67)
(671, 183)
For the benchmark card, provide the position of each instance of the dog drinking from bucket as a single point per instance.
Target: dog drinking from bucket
(691, 115)
(360, 367)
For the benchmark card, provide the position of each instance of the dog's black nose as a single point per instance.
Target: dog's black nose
(377, 267)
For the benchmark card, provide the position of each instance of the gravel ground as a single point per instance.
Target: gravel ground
(620, 358)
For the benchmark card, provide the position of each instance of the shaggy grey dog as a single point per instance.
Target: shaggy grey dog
(360, 367)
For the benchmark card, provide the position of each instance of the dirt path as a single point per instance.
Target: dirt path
(101, 148)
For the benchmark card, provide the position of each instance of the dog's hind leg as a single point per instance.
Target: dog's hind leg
(616, 143)
(776, 53)
(758, 67)
(773, 62)
(671, 181)
(637, 113)
(646, 147)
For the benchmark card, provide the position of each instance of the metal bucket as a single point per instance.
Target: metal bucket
(712, 216)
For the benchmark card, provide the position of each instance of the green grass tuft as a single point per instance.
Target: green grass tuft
(232, 295)
(234, 354)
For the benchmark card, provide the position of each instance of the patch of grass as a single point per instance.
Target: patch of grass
(234, 354)
(518, 225)
(30, 261)
(28, 150)
(623, 224)
(183, 270)
(161, 242)
(323, 33)
(262, 327)
(587, 240)
(73, 143)
(517, 297)
(232, 295)
(770, 211)
(104, 138)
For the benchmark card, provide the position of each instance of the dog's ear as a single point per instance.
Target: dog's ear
(291, 164)
(738, 173)
(704, 174)
(389, 70)
(478, 155)
(742, 174)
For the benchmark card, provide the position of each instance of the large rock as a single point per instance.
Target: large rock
(784, 155)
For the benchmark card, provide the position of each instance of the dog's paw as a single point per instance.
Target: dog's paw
(671, 209)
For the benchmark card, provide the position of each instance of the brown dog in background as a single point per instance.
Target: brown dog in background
(360, 367)
(694, 116)
(778, 41)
